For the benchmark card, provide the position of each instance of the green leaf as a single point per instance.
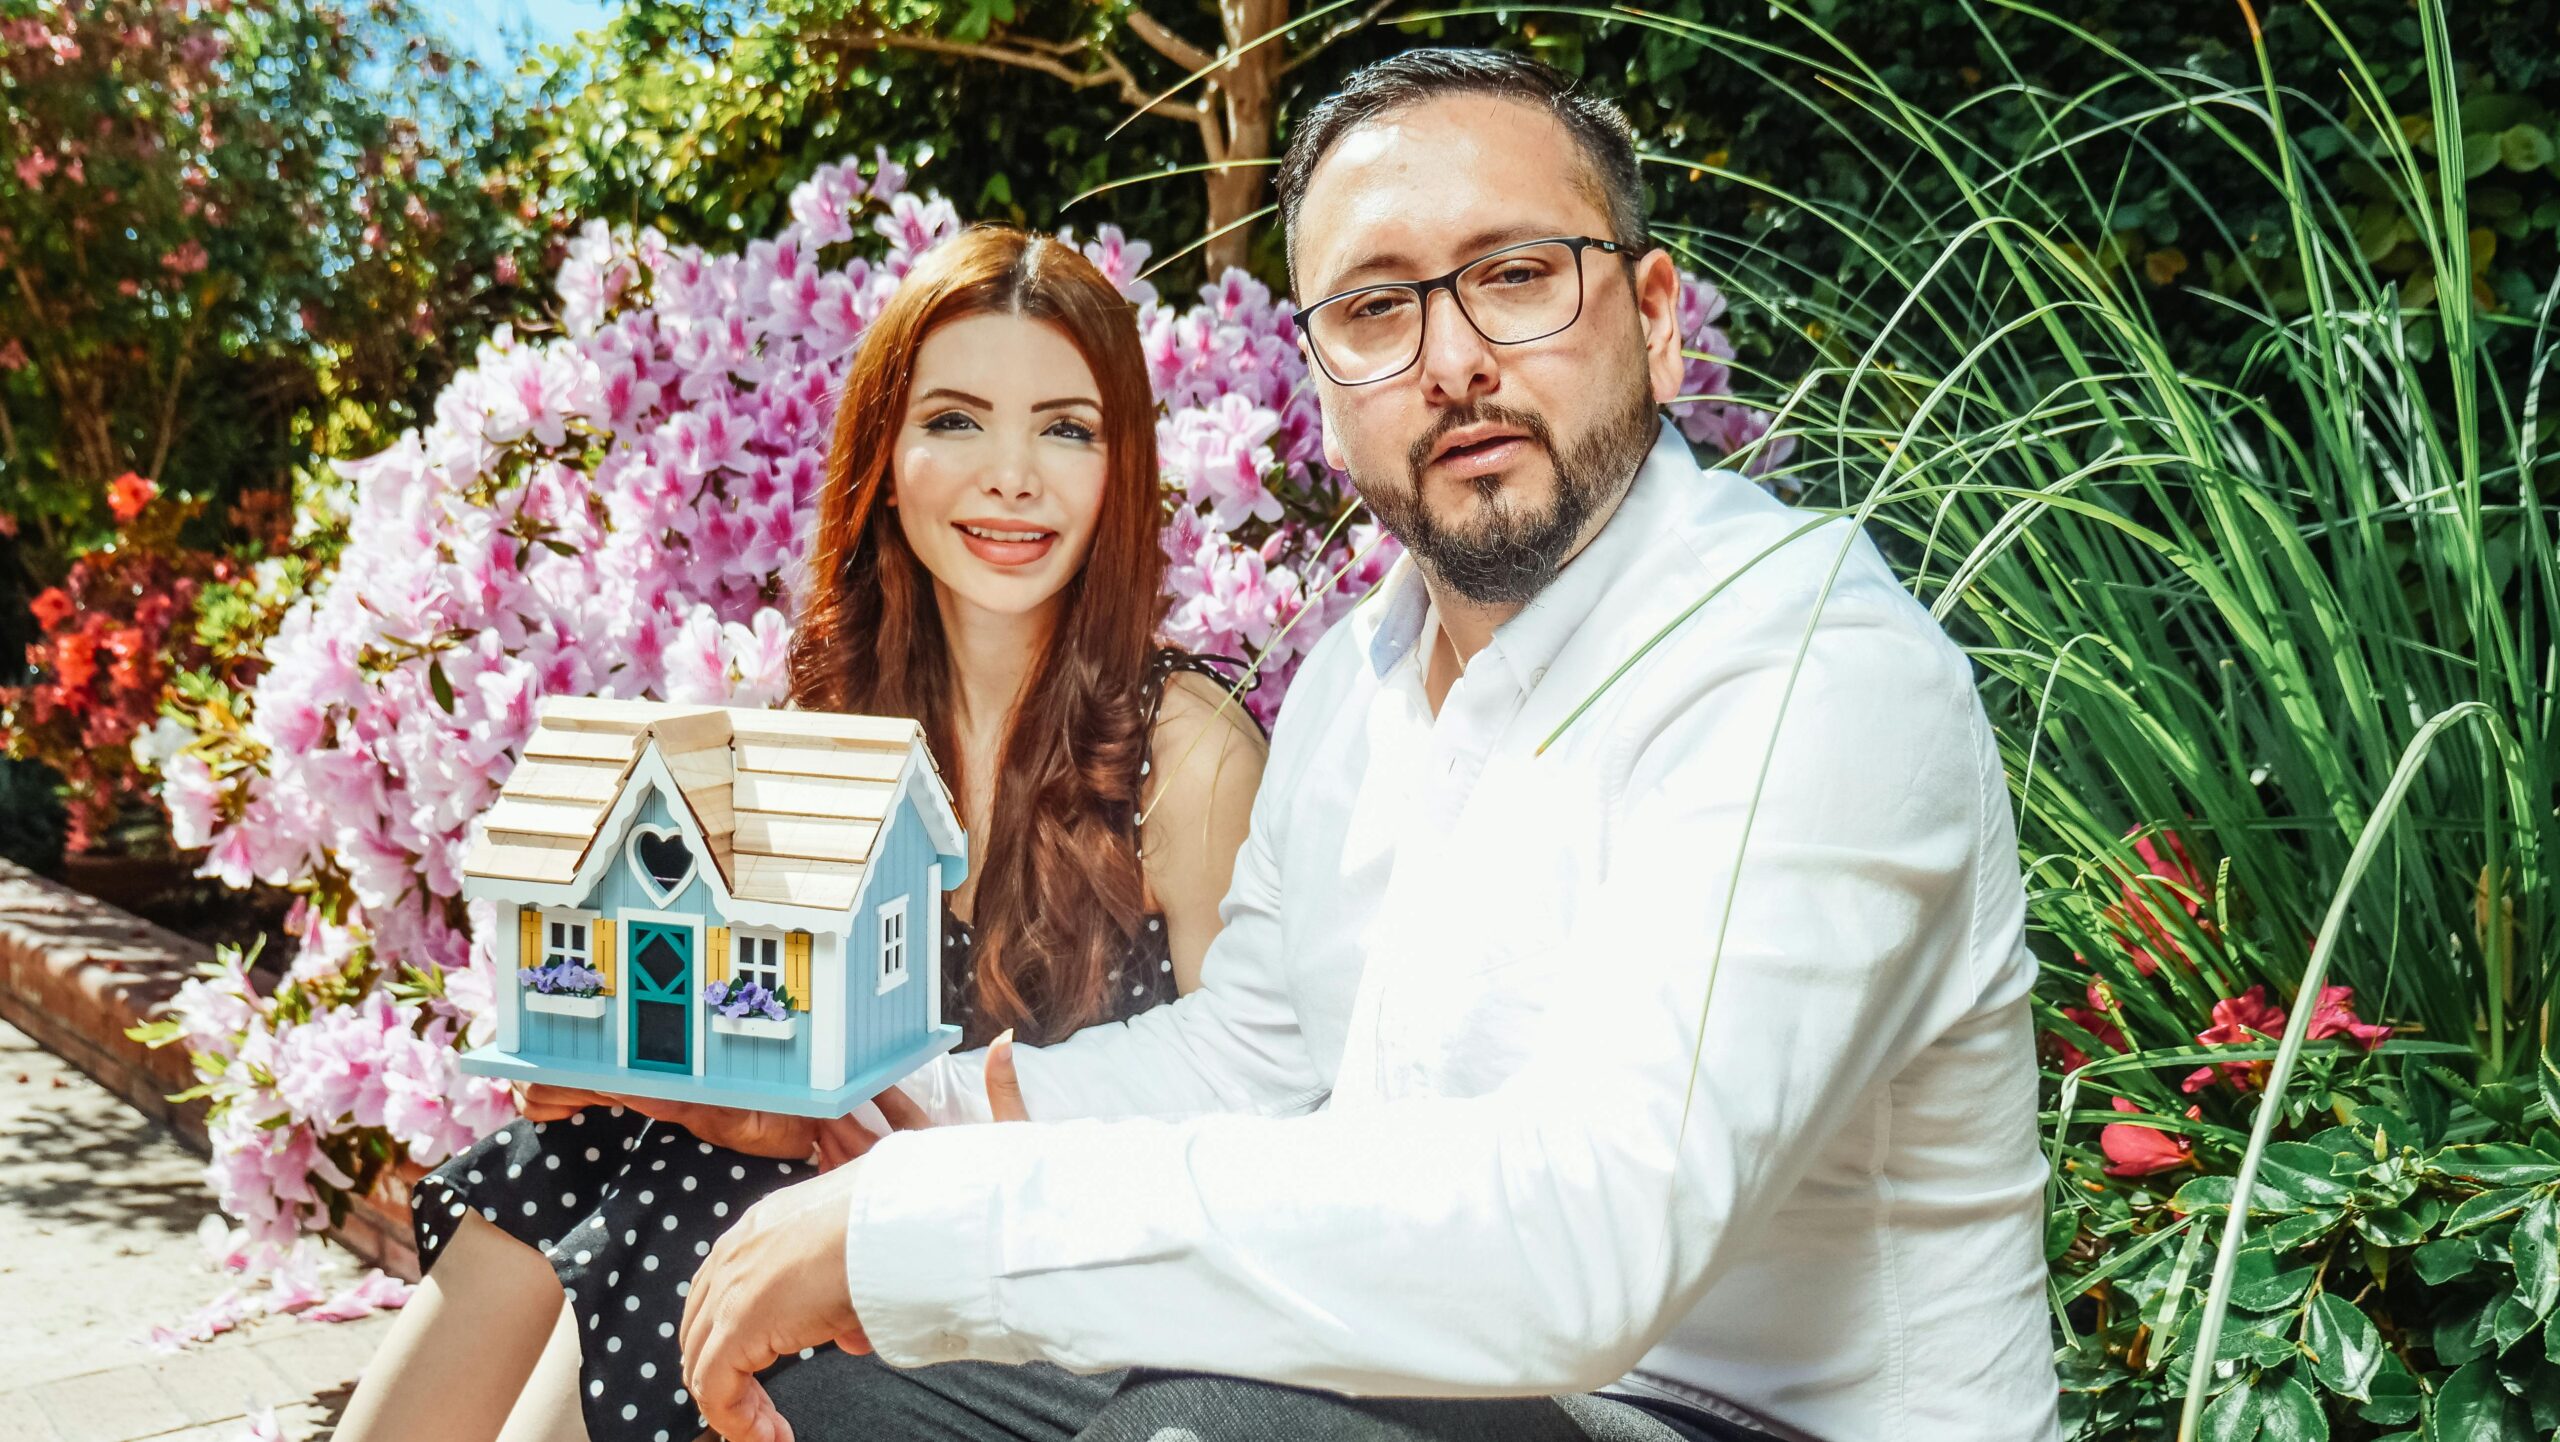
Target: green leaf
(2346, 1350)
(2474, 1406)
(2479, 155)
(2499, 1163)
(2487, 1207)
(2536, 1247)
(2061, 1228)
(2446, 1258)
(2238, 1415)
(2301, 1229)
(2524, 147)
(2462, 1330)
(2302, 1171)
(441, 688)
(2404, 1226)
(2293, 1410)
(2396, 1398)
(2258, 1284)
(2513, 1322)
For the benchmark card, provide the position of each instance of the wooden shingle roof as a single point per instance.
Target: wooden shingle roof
(791, 802)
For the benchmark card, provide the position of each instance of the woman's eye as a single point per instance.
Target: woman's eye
(955, 418)
(1072, 430)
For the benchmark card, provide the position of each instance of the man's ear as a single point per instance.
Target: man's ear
(1324, 428)
(1657, 285)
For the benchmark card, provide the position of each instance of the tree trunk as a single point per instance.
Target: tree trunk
(1246, 106)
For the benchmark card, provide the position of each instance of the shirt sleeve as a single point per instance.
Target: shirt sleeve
(1760, 956)
(1231, 1045)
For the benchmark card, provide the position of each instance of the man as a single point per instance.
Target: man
(1672, 1046)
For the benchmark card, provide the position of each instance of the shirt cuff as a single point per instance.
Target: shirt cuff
(919, 1249)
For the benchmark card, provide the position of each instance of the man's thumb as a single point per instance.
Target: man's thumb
(1004, 1089)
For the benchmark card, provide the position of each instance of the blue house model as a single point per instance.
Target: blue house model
(710, 904)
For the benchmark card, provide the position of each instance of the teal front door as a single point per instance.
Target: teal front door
(661, 996)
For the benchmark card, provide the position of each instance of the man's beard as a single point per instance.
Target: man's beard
(1509, 555)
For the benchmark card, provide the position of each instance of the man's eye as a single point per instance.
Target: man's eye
(1371, 307)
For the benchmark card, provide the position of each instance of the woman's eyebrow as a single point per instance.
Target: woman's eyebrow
(1062, 402)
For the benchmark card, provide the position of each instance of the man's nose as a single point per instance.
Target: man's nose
(1457, 361)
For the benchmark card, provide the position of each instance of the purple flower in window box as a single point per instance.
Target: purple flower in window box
(562, 978)
(738, 997)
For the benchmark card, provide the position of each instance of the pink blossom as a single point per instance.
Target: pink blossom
(378, 1292)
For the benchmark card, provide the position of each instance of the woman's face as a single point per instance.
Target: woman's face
(998, 473)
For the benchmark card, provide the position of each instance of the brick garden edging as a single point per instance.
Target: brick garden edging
(75, 972)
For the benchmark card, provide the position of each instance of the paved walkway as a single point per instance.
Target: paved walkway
(98, 1211)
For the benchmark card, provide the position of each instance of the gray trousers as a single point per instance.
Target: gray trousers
(834, 1397)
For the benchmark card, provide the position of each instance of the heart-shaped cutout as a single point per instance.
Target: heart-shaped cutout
(662, 861)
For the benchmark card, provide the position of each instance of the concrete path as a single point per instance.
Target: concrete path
(98, 1211)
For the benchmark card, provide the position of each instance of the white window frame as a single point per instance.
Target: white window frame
(769, 975)
(578, 925)
(891, 927)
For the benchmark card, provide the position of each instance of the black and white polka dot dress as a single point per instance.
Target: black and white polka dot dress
(625, 1208)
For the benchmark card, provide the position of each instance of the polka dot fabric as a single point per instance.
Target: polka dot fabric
(625, 1208)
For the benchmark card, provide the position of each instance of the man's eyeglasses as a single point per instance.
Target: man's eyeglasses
(1513, 296)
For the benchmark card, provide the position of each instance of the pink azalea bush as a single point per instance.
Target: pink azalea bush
(621, 507)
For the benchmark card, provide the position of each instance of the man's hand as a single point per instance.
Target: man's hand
(772, 1287)
(776, 1283)
(758, 1134)
(844, 1139)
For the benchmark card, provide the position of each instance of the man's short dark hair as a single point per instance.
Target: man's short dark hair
(1409, 79)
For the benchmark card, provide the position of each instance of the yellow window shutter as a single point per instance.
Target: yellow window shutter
(795, 969)
(718, 970)
(600, 950)
(528, 936)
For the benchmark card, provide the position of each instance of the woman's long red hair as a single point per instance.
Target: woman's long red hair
(1060, 892)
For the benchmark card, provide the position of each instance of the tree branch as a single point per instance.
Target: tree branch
(1113, 72)
(1172, 47)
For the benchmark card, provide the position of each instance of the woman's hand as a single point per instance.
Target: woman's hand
(844, 1139)
(758, 1134)
(544, 1103)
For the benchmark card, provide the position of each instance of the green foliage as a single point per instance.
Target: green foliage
(227, 248)
(2258, 573)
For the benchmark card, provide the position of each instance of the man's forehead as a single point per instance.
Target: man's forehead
(1426, 186)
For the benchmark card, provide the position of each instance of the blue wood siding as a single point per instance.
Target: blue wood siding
(759, 1058)
(876, 1025)
(575, 1038)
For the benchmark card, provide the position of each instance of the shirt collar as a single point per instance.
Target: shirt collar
(1528, 643)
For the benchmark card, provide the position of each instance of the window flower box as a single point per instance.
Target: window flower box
(558, 1005)
(782, 1030)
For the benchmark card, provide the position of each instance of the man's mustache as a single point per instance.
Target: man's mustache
(1530, 421)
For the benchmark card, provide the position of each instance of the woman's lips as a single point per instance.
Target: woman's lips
(1005, 552)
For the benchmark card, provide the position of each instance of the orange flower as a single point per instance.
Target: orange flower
(75, 661)
(52, 607)
(128, 494)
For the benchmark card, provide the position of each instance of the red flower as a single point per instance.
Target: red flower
(128, 494)
(2335, 1016)
(2169, 879)
(52, 607)
(2094, 1020)
(75, 662)
(2134, 1151)
(2238, 1021)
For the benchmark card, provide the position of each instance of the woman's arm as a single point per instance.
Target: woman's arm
(1205, 763)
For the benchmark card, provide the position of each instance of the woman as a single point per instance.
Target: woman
(987, 562)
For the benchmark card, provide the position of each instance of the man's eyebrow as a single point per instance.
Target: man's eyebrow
(1391, 265)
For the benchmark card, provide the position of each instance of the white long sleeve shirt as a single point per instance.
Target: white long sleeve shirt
(1690, 1056)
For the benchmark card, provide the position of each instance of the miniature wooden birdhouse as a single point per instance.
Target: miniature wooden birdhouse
(719, 905)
